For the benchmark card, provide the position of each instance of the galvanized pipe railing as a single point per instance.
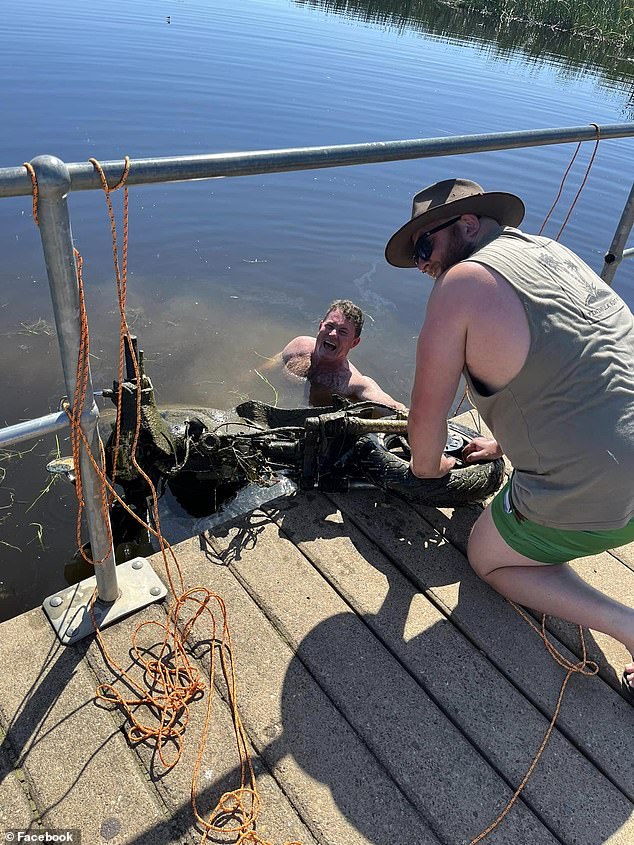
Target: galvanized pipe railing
(27, 430)
(14, 181)
(617, 251)
(53, 182)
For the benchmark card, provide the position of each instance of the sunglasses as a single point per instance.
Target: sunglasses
(423, 247)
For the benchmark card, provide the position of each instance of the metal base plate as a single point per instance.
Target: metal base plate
(69, 609)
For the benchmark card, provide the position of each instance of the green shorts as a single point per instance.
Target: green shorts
(551, 545)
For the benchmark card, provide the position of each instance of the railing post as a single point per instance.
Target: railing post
(614, 256)
(53, 181)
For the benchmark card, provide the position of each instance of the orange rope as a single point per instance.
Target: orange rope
(585, 179)
(584, 667)
(77, 435)
(563, 181)
(74, 411)
(36, 196)
(170, 681)
(121, 277)
(561, 188)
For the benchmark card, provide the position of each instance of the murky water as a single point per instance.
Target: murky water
(223, 273)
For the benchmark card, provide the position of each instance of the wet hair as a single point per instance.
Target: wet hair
(350, 311)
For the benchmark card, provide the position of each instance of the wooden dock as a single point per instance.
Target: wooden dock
(388, 695)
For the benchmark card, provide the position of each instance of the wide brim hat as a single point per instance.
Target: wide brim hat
(446, 199)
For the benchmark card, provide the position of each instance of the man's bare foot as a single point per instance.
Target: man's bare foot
(629, 676)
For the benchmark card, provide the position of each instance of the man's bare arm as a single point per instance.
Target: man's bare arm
(440, 359)
(299, 346)
(367, 389)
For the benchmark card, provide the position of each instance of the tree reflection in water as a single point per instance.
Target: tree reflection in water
(599, 35)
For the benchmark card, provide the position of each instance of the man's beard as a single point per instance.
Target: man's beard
(456, 249)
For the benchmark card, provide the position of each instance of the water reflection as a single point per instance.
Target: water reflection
(500, 36)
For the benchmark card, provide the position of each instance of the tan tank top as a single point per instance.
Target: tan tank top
(566, 421)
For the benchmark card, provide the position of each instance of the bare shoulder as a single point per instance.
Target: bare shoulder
(498, 335)
(474, 290)
(302, 345)
(466, 278)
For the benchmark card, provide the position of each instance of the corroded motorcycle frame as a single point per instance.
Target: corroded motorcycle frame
(205, 455)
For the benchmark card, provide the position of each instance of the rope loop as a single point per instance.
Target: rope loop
(36, 195)
(124, 177)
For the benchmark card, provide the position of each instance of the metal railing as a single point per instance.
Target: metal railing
(617, 251)
(56, 180)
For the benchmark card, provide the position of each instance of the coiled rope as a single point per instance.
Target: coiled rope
(171, 682)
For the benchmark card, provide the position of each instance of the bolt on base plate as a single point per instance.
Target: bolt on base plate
(69, 610)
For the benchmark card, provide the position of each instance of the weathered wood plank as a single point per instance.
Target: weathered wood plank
(15, 809)
(76, 763)
(625, 554)
(566, 791)
(339, 789)
(454, 788)
(442, 572)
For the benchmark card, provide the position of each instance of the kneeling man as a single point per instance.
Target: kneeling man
(547, 350)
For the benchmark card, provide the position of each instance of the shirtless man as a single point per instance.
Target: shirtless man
(323, 360)
(547, 349)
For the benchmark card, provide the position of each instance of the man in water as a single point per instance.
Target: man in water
(547, 350)
(323, 361)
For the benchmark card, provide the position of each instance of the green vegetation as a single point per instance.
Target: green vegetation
(611, 20)
(607, 20)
